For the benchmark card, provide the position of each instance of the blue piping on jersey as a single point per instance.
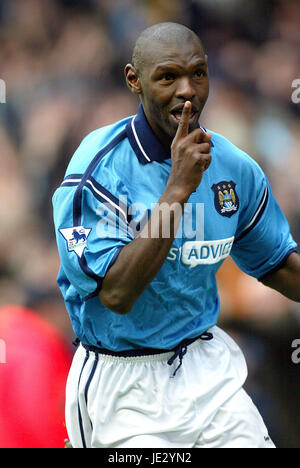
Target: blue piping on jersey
(77, 205)
(69, 184)
(104, 196)
(73, 176)
(99, 192)
(92, 166)
(257, 216)
(76, 180)
(71, 180)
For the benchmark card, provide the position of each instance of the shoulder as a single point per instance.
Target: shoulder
(229, 155)
(97, 169)
(226, 149)
(102, 140)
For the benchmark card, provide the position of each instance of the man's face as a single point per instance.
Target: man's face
(171, 76)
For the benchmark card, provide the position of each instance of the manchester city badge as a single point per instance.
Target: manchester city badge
(226, 199)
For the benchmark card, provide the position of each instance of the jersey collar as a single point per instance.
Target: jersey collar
(143, 141)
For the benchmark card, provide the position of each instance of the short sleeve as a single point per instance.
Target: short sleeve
(264, 240)
(89, 242)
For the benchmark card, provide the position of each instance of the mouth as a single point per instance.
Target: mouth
(176, 113)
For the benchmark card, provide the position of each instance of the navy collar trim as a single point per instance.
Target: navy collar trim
(143, 141)
(145, 144)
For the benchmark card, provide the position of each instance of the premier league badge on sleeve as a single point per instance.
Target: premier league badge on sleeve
(226, 199)
(76, 238)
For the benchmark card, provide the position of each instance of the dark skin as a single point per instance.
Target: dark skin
(173, 87)
(169, 77)
(287, 279)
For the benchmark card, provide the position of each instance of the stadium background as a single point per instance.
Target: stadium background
(62, 64)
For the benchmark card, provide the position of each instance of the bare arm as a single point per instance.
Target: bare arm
(140, 260)
(287, 279)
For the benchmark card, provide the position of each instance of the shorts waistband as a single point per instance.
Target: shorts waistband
(179, 350)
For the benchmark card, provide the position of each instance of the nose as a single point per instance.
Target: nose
(185, 89)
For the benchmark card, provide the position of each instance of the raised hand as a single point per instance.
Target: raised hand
(190, 154)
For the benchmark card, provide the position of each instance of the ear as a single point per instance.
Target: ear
(132, 79)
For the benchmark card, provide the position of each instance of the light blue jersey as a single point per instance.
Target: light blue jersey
(111, 186)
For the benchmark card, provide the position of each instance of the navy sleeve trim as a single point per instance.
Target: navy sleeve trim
(99, 279)
(99, 192)
(72, 176)
(84, 266)
(105, 197)
(71, 180)
(279, 266)
(77, 202)
(257, 216)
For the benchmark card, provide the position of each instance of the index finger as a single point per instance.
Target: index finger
(183, 126)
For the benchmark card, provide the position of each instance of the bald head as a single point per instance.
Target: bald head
(168, 34)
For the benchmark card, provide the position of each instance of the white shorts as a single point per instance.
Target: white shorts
(118, 402)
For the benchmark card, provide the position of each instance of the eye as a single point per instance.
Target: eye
(168, 76)
(200, 73)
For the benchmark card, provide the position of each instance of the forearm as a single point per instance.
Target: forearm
(287, 279)
(140, 260)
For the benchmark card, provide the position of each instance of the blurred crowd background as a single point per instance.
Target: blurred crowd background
(62, 62)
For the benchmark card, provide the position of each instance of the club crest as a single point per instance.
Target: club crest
(76, 238)
(226, 199)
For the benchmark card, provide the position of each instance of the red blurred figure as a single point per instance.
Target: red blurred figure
(32, 381)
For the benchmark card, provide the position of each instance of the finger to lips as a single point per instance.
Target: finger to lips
(183, 126)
